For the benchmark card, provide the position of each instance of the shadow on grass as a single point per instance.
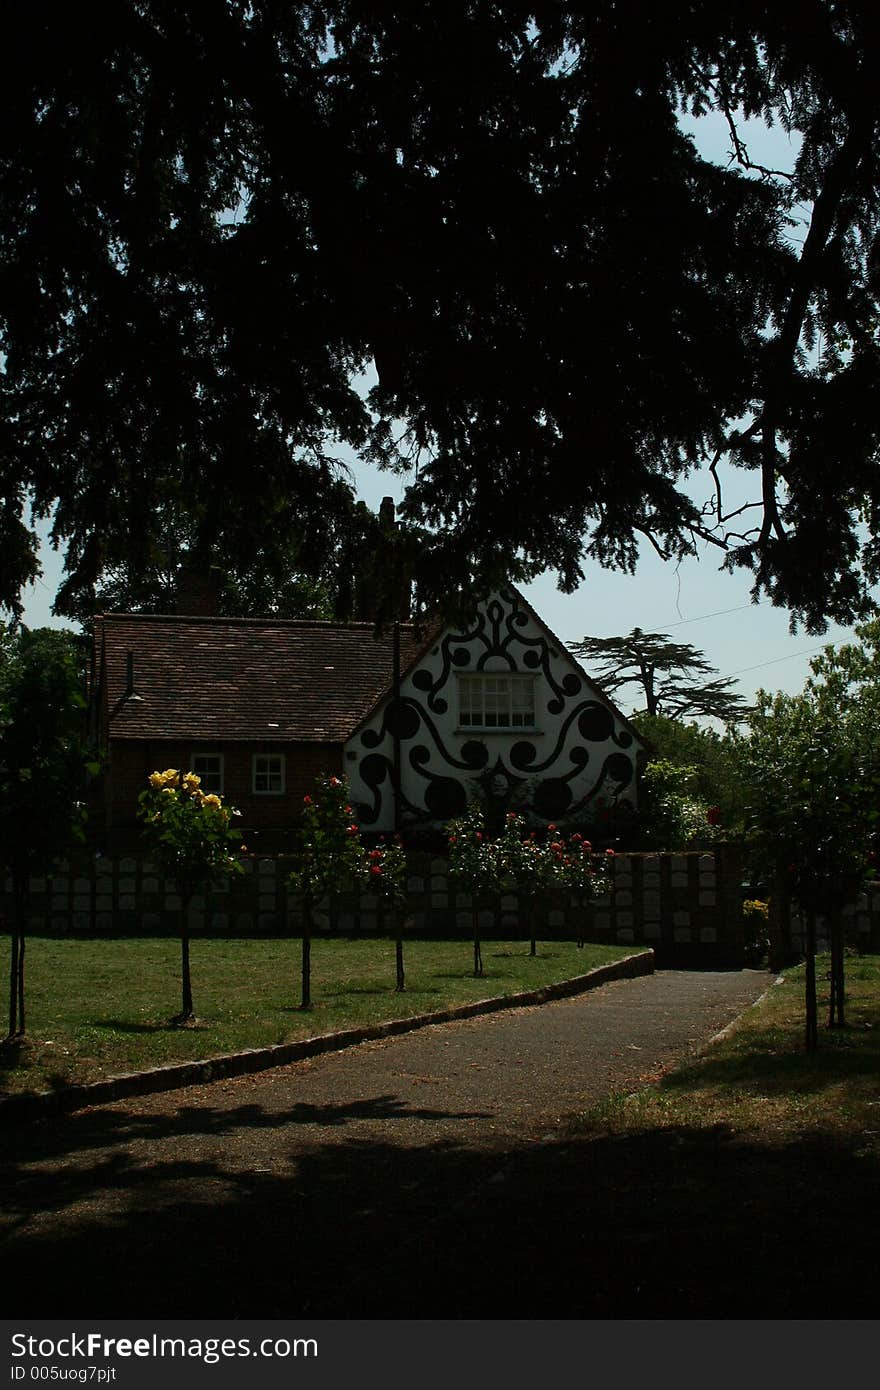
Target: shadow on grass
(16, 1053)
(677, 1223)
(776, 1065)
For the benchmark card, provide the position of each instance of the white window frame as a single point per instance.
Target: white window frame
(498, 708)
(209, 753)
(278, 758)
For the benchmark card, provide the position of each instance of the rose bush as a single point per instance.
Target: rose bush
(190, 837)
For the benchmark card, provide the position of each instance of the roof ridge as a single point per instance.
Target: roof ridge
(221, 620)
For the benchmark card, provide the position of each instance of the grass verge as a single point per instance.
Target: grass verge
(760, 1085)
(98, 1008)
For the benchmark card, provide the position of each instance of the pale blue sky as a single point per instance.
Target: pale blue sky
(696, 601)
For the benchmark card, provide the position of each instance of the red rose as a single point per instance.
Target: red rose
(610, 853)
(307, 801)
(376, 871)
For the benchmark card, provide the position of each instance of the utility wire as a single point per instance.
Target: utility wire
(774, 661)
(703, 616)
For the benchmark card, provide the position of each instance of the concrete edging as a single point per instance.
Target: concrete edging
(732, 1026)
(34, 1105)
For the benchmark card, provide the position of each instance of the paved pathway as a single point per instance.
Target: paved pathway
(266, 1193)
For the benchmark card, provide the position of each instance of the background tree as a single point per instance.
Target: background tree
(672, 814)
(666, 673)
(287, 576)
(188, 199)
(714, 758)
(43, 767)
(812, 762)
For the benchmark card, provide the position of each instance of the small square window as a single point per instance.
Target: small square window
(268, 774)
(209, 768)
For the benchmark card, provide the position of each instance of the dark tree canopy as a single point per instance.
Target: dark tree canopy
(214, 218)
(670, 676)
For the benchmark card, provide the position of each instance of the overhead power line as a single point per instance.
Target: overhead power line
(774, 661)
(703, 616)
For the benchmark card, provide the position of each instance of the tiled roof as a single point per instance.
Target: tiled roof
(216, 679)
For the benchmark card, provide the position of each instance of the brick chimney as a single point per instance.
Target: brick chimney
(375, 574)
(197, 592)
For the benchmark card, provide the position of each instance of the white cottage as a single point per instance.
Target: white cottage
(501, 709)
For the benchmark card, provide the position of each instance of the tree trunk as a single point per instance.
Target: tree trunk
(812, 1029)
(306, 998)
(187, 1012)
(398, 950)
(478, 955)
(532, 911)
(13, 975)
(22, 940)
(16, 961)
(836, 1007)
(583, 918)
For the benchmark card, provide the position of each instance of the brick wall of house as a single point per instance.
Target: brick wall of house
(687, 906)
(133, 761)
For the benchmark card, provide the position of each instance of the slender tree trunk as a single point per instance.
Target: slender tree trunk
(836, 1007)
(812, 1017)
(187, 1012)
(478, 955)
(398, 953)
(13, 975)
(532, 910)
(306, 998)
(16, 962)
(583, 911)
(22, 941)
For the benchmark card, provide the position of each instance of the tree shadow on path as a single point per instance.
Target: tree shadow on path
(676, 1223)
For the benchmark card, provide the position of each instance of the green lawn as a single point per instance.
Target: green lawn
(97, 1008)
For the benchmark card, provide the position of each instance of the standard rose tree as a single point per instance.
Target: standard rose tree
(475, 866)
(386, 876)
(190, 837)
(327, 853)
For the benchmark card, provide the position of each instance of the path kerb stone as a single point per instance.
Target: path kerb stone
(34, 1105)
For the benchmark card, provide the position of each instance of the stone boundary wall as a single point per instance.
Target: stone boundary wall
(861, 925)
(687, 907)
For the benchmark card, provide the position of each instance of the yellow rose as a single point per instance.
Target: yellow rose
(211, 800)
(191, 780)
(167, 791)
(157, 779)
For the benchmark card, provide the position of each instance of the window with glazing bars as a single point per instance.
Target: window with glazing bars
(496, 702)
